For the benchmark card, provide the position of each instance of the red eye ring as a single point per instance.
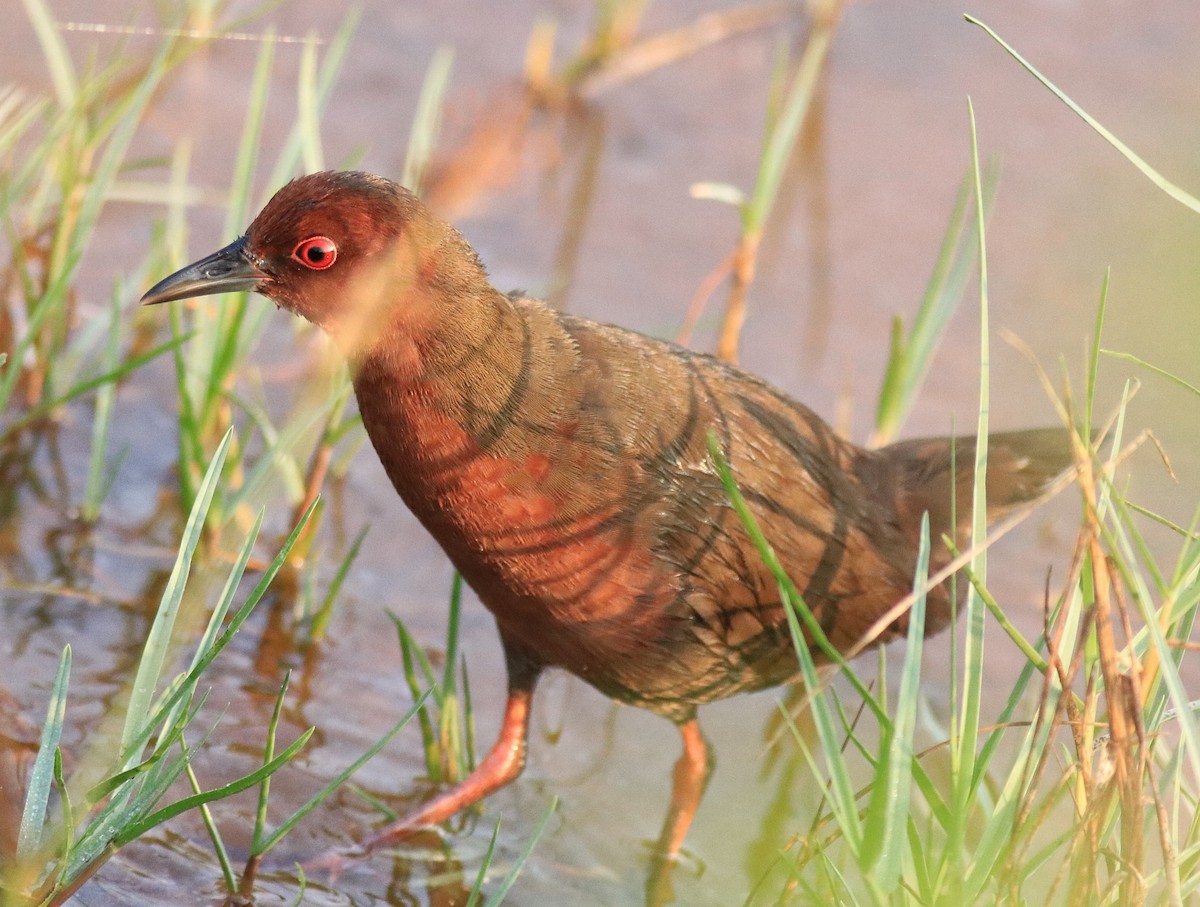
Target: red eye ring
(316, 253)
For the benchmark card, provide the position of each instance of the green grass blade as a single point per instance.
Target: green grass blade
(456, 587)
(136, 829)
(450, 718)
(1032, 655)
(237, 209)
(188, 682)
(841, 793)
(763, 546)
(54, 49)
(158, 641)
(97, 488)
(840, 789)
(884, 838)
(423, 134)
(497, 897)
(786, 129)
(127, 802)
(232, 581)
(301, 886)
(965, 731)
(41, 777)
(1094, 358)
(278, 459)
(290, 823)
(910, 357)
(929, 791)
(410, 656)
(418, 654)
(78, 390)
(324, 614)
(484, 865)
(210, 826)
(68, 811)
(1149, 172)
(16, 117)
(217, 618)
(50, 302)
(1174, 683)
(264, 789)
(128, 116)
(468, 728)
(1162, 373)
(172, 731)
(191, 445)
(308, 109)
(335, 54)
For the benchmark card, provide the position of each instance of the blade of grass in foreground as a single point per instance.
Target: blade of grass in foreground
(484, 865)
(154, 655)
(965, 721)
(497, 896)
(139, 828)
(210, 825)
(37, 798)
(133, 794)
(782, 134)
(264, 789)
(1175, 192)
(88, 384)
(205, 658)
(884, 839)
(318, 620)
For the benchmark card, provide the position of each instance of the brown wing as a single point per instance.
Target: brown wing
(719, 626)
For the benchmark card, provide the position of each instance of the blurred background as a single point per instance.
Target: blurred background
(587, 201)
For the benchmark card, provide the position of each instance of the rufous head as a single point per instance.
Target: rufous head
(349, 251)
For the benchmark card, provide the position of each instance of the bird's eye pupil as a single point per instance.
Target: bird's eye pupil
(316, 252)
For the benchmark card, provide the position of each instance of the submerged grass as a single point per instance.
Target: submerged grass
(1088, 796)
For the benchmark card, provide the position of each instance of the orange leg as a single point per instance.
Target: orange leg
(502, 764)
(692, 771)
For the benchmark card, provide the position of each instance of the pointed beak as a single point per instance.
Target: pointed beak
(229, 270)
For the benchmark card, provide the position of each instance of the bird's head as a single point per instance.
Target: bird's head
(349, 251)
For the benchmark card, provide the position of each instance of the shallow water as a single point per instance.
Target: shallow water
(852, 244)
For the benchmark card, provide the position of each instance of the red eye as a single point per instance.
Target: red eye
(316, 252)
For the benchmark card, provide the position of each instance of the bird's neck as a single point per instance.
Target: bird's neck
(435, 392)
(436, 338)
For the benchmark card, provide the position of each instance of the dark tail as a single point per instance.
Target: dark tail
(936, 476)
(1020, 465)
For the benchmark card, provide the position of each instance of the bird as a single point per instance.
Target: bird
(564, 467)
